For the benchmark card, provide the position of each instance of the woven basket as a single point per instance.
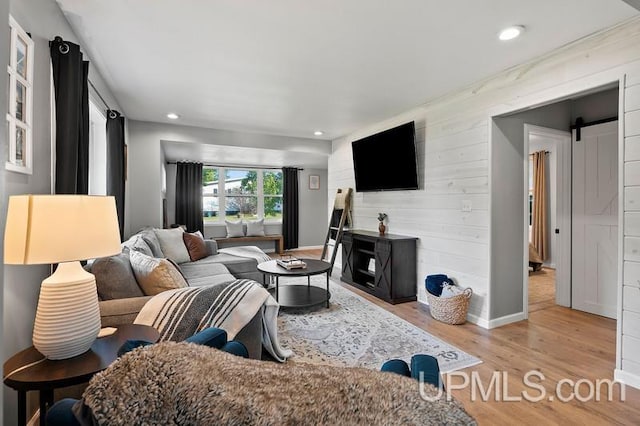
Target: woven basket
(450, 310)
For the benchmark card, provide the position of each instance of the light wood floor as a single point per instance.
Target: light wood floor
(542, 289)
(559, 342)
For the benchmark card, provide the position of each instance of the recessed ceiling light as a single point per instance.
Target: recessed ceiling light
(318, 133)
(511, 32)
(173, 116)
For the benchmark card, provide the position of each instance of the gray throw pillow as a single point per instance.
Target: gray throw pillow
(255, 228)
(234, 229)
(172, 244)
(149, 237)
(156, 275)
(115, 278)
(136, 243)
(212, 247)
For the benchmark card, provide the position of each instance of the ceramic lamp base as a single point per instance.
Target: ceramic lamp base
(68, 317)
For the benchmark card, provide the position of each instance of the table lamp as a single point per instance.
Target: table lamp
(63, 229)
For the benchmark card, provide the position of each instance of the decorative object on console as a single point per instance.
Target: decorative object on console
(381, 228)
(64, 229)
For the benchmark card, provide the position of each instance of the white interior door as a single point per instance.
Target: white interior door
(594, 257)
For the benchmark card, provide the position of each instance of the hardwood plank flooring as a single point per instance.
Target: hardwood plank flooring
(542, 289)
(556, 341)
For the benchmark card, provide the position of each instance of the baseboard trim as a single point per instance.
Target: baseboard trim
(627, 378)
(309, 247)
(507, 319)
(479, 321)
(473, 319)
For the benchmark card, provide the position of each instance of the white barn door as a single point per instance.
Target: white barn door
(595, 220)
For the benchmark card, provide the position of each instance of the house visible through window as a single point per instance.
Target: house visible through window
(20, 111)
(247, 194)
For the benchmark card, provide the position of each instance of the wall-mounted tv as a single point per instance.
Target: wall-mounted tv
(387, 160)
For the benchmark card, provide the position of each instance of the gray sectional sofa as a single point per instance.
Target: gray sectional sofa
(121, 298)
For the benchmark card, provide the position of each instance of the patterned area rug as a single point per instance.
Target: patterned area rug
(356, 332)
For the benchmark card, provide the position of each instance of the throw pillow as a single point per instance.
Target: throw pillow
(172, 244)
(234, 229)
(136, 243)
(155, 275)
(195, 246)
(115, 278)
(149, 237)
(255, 228)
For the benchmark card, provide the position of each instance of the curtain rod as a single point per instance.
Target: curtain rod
(99, 95)
(546, 152)
(238, 166)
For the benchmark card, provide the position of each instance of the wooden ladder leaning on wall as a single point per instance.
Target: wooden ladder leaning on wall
(340, 217)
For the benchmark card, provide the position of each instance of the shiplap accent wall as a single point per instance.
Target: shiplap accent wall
(629, 359)
(453, 140)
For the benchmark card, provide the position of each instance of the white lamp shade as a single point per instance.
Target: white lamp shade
(42, 229)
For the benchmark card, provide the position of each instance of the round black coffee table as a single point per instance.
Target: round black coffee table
(296, 295)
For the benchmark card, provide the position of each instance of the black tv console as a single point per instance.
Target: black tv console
(382, 265)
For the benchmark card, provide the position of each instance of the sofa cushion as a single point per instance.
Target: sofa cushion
(155, 275)
(115, 278)
(235, 264)
(172, 244)
(150, 237)
(195, 245)
(137, 243)
(255, 228)
(234, 229)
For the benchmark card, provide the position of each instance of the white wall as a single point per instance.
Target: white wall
(4, 149)
(458, 165)
(43, 19)
(144, 196)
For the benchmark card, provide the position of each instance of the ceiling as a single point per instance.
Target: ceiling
(241, 156)
(289, 67)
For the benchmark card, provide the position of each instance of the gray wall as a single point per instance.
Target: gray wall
(507, 207)
(144, 196)
(43, 19)
(313, 209)
(507, 183)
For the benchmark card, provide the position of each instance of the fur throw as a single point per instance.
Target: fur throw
(187, 384)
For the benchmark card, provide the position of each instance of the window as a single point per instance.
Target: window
(97, 150)
(20, 111)
(248, 194)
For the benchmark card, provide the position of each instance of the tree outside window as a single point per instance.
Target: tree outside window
(247, 194)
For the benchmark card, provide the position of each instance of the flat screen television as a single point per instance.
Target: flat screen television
(387, 160)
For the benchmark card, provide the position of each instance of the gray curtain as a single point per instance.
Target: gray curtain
(116, 163)
(290, 207)
(189, 196)
(70, 74)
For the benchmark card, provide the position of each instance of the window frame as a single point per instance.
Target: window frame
(222, 195)
(12, 122)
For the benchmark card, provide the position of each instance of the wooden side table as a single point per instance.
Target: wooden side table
(29, 370)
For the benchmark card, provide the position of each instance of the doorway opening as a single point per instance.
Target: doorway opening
(561, 259)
